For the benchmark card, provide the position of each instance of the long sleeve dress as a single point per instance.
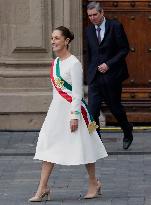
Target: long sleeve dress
(56, 143)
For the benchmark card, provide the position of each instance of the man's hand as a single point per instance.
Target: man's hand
(73, 125)
(103, 68)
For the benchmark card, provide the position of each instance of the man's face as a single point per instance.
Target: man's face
(95, 16)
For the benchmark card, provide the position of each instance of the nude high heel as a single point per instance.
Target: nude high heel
(97, 193)
(99, 190)
(46, 196)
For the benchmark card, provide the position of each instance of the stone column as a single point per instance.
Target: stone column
(69, 13)
(24, 63)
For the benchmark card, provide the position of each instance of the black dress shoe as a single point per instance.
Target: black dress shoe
(128, 137)
(127, 143)
(131, 126)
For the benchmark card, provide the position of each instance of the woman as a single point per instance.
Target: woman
(68, 135)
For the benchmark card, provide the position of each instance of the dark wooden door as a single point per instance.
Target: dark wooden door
(136, 19)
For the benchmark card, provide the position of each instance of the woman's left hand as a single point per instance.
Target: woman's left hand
(73, 125)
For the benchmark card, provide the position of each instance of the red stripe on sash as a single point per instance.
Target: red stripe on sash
(66, 96)
(63, 94)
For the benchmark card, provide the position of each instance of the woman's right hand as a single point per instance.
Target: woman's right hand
(73, 125)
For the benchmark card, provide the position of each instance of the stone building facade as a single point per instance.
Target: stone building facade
(25, 54)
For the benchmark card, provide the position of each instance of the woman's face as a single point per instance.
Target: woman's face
(58, 41)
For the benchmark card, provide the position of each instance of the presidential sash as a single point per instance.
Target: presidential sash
(65, 90)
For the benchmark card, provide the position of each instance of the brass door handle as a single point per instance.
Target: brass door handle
(132, 81)
(149, 4)
(149, 17)
(115, 4)
(132, 4)
(149, 50)
(132, 17)
(132, 49)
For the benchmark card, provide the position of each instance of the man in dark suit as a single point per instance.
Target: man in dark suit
(107, 47)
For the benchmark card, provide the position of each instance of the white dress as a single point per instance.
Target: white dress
(56, 143)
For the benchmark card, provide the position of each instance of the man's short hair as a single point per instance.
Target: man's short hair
(94, 5)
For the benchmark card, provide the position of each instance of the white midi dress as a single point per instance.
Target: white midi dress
(56, 143)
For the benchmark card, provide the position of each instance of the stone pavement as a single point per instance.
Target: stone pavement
(125, 175)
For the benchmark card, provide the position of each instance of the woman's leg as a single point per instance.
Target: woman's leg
(46, 170)
(93, 183)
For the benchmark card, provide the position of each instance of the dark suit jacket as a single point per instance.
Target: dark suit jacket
(112, 51)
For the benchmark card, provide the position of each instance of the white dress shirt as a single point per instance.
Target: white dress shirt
(102, 27)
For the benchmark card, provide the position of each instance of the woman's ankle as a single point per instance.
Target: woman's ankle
(42, 188)
(93, 180)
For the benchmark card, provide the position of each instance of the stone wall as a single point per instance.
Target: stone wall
(25, 54)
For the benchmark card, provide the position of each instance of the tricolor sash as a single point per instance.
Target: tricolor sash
(65, 90)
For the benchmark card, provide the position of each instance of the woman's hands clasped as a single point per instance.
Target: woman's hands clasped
(73, 125)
